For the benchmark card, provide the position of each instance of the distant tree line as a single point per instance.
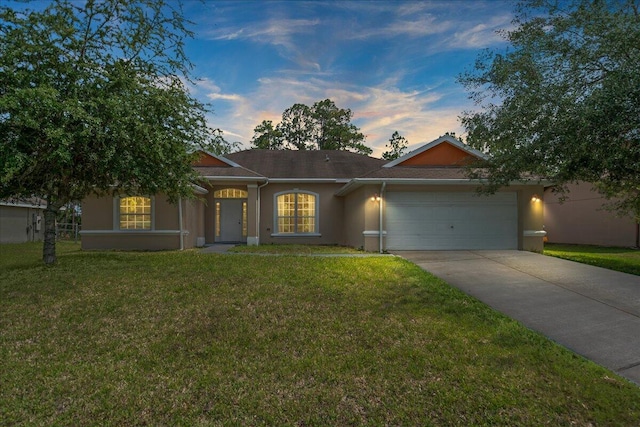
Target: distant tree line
(322, 126)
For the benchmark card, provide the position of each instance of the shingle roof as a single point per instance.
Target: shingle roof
(320, 164)
(418, 173)
(222, 171)
(306, 164)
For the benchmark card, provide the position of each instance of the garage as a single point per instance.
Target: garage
(451, 221)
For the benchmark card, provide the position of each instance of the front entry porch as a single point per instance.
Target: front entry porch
(230, 216)
(231, 220)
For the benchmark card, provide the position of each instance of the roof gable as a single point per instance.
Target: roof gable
(444, 151)
(208, 159)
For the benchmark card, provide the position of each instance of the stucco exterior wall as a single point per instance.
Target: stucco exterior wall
(193, 220)
(18, 224)
(372, 206)
(352, 220)
(252, 215)
(531, 218)
(330, 216)
(209, 215)
(580, 219)
(97, 213)
(354, 205)
(101, 230)
(362, 218)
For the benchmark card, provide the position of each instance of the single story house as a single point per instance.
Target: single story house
(21, 220)
(422, 200)
(582, 219)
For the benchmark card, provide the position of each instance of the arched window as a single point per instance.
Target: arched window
(135, 213)
(296, 213)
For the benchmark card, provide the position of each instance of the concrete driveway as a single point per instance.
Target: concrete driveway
(593, 311)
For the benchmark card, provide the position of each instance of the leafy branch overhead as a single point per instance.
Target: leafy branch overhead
(322, 126)
(563, 102)
(92, 99)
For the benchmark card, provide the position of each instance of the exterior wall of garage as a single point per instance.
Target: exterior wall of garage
(581, 219)
(361, 218)
(354, 218)
(451, 221)
(531, 218)
(529, 209)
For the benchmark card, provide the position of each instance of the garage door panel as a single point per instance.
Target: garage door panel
(451, 221)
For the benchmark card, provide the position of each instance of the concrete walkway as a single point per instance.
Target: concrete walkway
(593, 311)
(218, 248)
(223, 248)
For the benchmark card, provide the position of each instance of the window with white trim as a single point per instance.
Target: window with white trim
(296, 212)
(134, 213)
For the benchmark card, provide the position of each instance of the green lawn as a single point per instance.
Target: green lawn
(621, 259)
(295, 249)
(114, 338)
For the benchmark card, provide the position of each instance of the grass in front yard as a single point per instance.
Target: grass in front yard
(170, 338)
(626, 260)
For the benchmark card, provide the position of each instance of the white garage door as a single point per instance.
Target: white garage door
(443, 221)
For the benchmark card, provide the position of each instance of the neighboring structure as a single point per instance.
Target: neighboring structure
(581, 219)
(21, 220)
(422, 200)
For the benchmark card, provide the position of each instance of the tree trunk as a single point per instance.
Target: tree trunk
(49, 247)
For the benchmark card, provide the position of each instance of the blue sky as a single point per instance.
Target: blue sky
(394, 64)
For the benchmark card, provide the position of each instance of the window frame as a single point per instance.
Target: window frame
(116, 214)
(278, 233)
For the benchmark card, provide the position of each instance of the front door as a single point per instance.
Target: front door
(231, 220)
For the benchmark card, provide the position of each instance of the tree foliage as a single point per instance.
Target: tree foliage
(397, 146)
(322, 126)
(92, 100)
(563, 101)
(218, 144)
(267, 137)
(297, 126)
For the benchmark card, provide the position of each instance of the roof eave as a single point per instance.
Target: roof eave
(234, 178)
(311, 180)
(199, 190)
(359, 182)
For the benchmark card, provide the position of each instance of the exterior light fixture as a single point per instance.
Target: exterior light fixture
(375, 198)
(535, 198)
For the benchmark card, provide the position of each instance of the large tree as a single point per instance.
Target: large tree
(563, 101)
(333, 129)
(296, 127)
(322, 126)
(92, 100)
